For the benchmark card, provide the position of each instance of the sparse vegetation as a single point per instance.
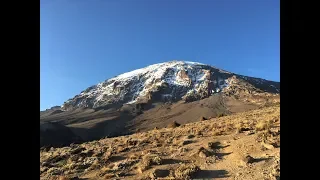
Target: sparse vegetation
(156, 160)
(181, 154)
(263, 125)
(147, 161)
(186, 171)
(241, 127)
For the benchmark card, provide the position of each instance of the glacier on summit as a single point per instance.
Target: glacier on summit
(168, 81)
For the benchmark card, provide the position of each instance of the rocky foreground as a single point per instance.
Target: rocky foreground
(239, 146)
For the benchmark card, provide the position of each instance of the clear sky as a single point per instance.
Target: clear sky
(84, 42)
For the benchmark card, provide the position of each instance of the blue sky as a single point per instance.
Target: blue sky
(84, 42)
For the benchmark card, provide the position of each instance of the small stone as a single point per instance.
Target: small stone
(202, 154)
(80, 159)
(267, 146)
(121, 174)
(211, 160)
(249, 133)
(45, 163)
(248, 159)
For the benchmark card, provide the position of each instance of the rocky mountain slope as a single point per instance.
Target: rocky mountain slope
(242, 146)
(165, 82)
(151, 97)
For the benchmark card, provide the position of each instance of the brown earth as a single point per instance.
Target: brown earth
(92, 124)
(243, 145)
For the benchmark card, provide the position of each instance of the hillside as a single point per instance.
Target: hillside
(243, 145)
(154, 96)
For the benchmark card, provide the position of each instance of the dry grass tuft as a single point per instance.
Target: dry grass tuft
(263, 125)
(145, 156)
(155, 159)
(242, 127)
(186, 171)
(134, 156)
(147, 161)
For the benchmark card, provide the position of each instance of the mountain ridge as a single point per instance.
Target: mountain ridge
(153, 97)
(168, 81)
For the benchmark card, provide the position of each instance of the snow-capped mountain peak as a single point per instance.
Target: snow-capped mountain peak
(169, 81)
